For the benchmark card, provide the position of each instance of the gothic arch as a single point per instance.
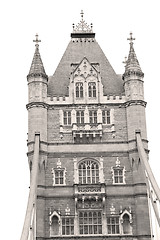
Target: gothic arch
(126, 221)
(55, 224)
(88, 171)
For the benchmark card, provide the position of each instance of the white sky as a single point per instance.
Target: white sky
(52, 20)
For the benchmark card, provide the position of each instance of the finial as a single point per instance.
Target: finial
(37, 40)
(125, 60)
(82, 13)
(131, 39)
(118, 163)
(82, 27)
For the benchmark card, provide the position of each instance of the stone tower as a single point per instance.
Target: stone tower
(90, 182)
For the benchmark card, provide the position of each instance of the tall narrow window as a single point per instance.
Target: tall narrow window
(80, 117)
(67, 117)
(90, 222)
(92, 89)
(113, 225)
(59, 176)
(89, 91)
(126, 224)
(106, 118)
(67, 226)
(88, 172)
(55, 226)
(79, 90)
(93, 116)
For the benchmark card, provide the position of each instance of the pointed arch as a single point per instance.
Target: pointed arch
(55, 222)
(88, 171)
(126, 221)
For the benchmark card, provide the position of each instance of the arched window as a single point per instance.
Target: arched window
(88, 172)
(92, 89)
(126, 224)
(54, 224)
(79, 90)
(89, 91)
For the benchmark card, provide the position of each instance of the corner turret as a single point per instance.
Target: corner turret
(133, 75)
(37, 78)
(37, 97)
(133, 85)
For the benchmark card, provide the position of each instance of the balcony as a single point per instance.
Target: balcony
(87, 130)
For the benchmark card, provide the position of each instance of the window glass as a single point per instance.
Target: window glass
(113, 225)
(88, 172)
(79, 90)
(92, 89)
(67, 117)
(67, 226)
(106, 118)
(90, 222)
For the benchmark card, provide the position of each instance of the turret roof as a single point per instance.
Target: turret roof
(37, 68)
(132, 64)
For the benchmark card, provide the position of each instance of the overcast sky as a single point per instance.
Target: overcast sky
(52, 19)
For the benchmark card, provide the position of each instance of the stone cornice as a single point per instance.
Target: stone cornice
(37, 75)
(132, 72)
(135, 102)
(73, 106)
(37, 104)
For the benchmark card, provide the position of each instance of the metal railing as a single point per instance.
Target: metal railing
(152, 186)
(29, 227)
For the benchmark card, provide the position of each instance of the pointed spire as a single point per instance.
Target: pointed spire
(132, 64)
(37, 68)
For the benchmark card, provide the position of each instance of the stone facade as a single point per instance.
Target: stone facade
(90, 182)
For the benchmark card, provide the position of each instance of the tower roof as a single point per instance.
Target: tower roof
(37, 68)
(83, 44)
(132, 64)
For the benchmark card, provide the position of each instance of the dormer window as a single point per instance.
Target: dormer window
(79, 90)
(92, 89)
(80, 117)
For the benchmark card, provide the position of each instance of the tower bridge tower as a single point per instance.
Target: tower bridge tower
(87, 178)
